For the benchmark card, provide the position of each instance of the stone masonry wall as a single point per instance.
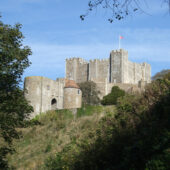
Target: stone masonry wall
(108, 72)
(99, 70)
(77, 70)
(71, 69)
(105, 88)
(82, 70)
(124, 66)
(116, 69)
(40, 91)
(72, 98)
(118, 66)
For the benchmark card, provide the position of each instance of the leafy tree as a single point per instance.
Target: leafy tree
(13, 106)
(112, 97)
(90, 94)
(119, 8)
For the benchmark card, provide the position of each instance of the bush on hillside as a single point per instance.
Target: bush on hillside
(137, 137)
(90, 94)
(112, 97)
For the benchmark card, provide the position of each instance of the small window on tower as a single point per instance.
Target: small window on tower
(78, 91)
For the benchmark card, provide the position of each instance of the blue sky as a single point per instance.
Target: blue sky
(54, 31)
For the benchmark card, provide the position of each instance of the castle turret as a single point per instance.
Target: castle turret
(118, 66)
(72, 95)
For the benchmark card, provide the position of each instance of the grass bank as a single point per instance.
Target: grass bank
(57, 130)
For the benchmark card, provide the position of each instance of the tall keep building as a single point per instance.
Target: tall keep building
(116, 69)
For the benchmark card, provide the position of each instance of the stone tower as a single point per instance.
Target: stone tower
(118, 66)
(72, 95)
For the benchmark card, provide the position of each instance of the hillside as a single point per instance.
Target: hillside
(160, 74)
(57, 130)
(133, 135)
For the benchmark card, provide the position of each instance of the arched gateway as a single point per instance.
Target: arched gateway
(53, 104)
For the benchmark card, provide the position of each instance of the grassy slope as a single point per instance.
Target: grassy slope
(57, 129)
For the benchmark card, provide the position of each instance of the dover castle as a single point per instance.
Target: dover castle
(46, 94)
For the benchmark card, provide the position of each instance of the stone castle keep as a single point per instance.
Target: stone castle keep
(46, 94)
(117, 70)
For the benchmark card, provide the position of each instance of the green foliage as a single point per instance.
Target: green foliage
(59, 117)
(137, 137)
(112, 97)
(88, 110)
(90, 94)
(155, 164)
(13, 106)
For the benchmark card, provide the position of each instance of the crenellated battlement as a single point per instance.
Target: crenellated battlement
(83, 61)
(118, 51)
(117, 69)
(98, 60)
(79, 60)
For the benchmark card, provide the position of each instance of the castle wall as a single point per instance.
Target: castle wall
(40, 91)
(77, 70)
(32, 92)
(131, 72)
(102, 87)
(72, 98)
(82, 71)
(147, 72)
(116, 69)
(71, 69)
(99, 70)
(138, 72)
(135, 72)
(126, 87)
(105, 88)
(124, 66)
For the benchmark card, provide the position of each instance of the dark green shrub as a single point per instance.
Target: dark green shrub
(112, 97)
